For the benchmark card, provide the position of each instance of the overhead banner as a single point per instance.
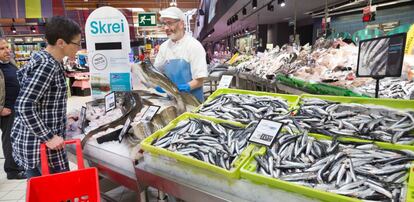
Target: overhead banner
(108, 45)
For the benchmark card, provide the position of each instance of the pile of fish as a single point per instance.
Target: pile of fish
(245, 108)
(390, 88)
(362, 171)
(356, 120)
(217, 144)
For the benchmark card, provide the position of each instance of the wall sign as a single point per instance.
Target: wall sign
(147, 19)
(108, 46)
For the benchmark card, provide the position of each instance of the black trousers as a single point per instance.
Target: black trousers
(6, 124)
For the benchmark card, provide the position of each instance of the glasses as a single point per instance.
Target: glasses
(78, 44)
(169, 24)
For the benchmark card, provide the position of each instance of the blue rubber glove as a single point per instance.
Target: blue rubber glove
(159, 89)
(184, 87)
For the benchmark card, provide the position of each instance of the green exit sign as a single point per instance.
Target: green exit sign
(147, 19)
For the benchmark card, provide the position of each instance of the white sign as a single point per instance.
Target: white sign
(150, 113)
(108, 46)
(82, 118)
(265, 132)
(225, 81)
(110, 102)
(124, 130)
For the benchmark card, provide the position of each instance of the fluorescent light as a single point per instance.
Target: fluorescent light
(254, 4)
(137, 9)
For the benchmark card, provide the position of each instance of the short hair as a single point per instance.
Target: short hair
(60, 27)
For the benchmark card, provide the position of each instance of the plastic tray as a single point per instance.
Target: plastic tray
(391, 103)
(291, 99)
(248, 172)
(238, 162)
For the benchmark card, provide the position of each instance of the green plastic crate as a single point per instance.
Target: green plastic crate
(387, 102)
(384, 102)
(238, 162)
(291, 99)
(248, 172)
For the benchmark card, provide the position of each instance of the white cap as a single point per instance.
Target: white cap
(172, 12)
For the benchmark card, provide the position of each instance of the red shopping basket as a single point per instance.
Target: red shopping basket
(75, 186)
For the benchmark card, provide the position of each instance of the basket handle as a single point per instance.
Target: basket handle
(44, 159)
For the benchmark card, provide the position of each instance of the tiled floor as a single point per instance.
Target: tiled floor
(11, 190)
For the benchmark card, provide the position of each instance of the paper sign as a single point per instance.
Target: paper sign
(265, 132)
(110, 102)
(225, 81)
(150, 113)
(82, 118)
(124, 130)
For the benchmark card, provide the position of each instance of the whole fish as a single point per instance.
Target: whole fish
(154, 76)
(362, 171)
(215, 143)
(246, 108)
(355, 120)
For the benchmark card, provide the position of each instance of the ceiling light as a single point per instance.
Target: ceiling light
(33, 29)
(254, 4)
(244, 11)
(282, 3)
(137, 9)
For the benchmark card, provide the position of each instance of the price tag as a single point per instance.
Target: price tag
(110, 102)
(124, 130)
(265, 132)
(225, 81)
(82, 119)
(150, 113)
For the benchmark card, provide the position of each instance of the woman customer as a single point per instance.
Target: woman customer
(41, 103)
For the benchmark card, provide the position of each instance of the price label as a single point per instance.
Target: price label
(124, 130)
(225, 81)
(265, 132)
(110, 102)
(150, 113)
(82, 119)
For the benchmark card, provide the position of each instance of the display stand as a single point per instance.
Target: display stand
(377, 86)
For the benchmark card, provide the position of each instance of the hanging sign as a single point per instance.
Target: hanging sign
(147, 19)
(108, 46)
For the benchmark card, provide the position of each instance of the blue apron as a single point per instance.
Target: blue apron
(179, 71)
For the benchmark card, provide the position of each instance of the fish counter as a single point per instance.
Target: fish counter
(327, 68)
(330, 148)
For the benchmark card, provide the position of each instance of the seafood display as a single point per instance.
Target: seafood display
(389, 88)
(328, 61)
(245, 108)
(362, 171)
(356, 120)
(214, 143)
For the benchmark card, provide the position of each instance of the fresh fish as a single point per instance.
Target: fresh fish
(247, 108)
(351, 172)
(217, 144)
(355, 120)
(157, 78)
